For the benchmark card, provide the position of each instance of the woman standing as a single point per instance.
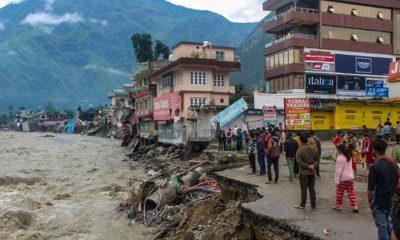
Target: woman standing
(366, 149)
(344, 178)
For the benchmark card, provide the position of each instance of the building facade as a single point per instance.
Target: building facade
(191, 89)
(143, 93)
(332, 49)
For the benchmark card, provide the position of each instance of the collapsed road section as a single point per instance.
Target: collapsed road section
(188, 200)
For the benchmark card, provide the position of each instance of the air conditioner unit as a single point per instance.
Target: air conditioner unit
(354, 37)
(380, 15)
(171, 58)
(380, 40)
(331, 9)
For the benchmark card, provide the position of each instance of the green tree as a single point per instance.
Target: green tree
(161, 48)
(142, 44)
(69, 113)
(241, 91)
(143, 47)
(50, 109)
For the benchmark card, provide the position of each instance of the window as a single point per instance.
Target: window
(145, 106)
(331, 9)
(354, 37)
(197, 102)
(220, 55)
(167, 80)
(380, 15)
(218, 80)
(180, 79)
(198, 78)
(354, 12)
(221, 100)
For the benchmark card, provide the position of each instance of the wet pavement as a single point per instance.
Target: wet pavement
(64, 187)
(279, 200)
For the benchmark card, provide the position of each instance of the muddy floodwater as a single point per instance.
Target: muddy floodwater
(64, 187)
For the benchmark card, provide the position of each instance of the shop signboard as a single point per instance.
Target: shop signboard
(351, 86)
(319, 57)
(270, 117)
(254, 112)
(394, 71)
(318, 83)
(321, 120)
(376, 88)
(362, 64)
(166, 106)
(229, 113)
(297, 114)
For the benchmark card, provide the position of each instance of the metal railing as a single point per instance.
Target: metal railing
(293, 9)
(290, 36)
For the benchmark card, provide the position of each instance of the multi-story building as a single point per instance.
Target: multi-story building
(191, 89)
(143, 93)
(331, 48)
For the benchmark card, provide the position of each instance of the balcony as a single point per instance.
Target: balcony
(348, 45)
(356, 22)
(284, 70)
(292, 40)
(290, 19)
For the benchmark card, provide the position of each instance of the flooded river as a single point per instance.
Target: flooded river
(64, 187)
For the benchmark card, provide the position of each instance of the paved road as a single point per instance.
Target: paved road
(279, 200)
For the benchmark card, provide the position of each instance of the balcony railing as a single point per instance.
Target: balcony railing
(290, 36)
(294, 9)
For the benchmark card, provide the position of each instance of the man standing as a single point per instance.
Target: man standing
(260, 152)
(307, 157)
(291, 147)
(397, 132)
(274, 152)
(382, 183)
(316, 143)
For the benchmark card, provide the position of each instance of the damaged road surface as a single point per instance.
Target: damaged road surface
(64, 187)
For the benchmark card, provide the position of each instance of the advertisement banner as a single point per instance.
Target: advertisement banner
(270, 116)
(319, 57)
(351, 86)
(166, 106)
(394, 71)
(375, 113)
(349, 116)
(297, 114)
(229, 113)
(321, 120)
(317, 83)
(362, 64)
(376, 88)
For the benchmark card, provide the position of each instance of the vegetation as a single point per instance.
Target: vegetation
(241, 91)
(143, 46)
(79, 63)
(252, 58)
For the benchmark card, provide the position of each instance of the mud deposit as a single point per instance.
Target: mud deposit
(64, 187)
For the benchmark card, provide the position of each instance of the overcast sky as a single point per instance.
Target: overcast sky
(234, 10)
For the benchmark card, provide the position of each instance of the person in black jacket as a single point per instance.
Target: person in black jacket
(260, 152)
(290, 148)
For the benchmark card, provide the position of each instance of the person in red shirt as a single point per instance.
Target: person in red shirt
(366, 149)
(338, 139)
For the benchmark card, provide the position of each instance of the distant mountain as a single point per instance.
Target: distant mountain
(72, 52)
(251, 53)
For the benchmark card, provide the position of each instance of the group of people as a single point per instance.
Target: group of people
(303, 153)
(231, 139)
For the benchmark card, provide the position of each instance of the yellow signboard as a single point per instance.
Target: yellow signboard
(321, 120)
(376, 113)
(395, 114)
(349, 116)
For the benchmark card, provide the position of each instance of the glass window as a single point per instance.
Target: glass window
(290, 56)
(280, 59)
(198, 78)
(220, 55)
(276, 58)
(296, 56)
(218, 80)
(286, 58)
(272, 60)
